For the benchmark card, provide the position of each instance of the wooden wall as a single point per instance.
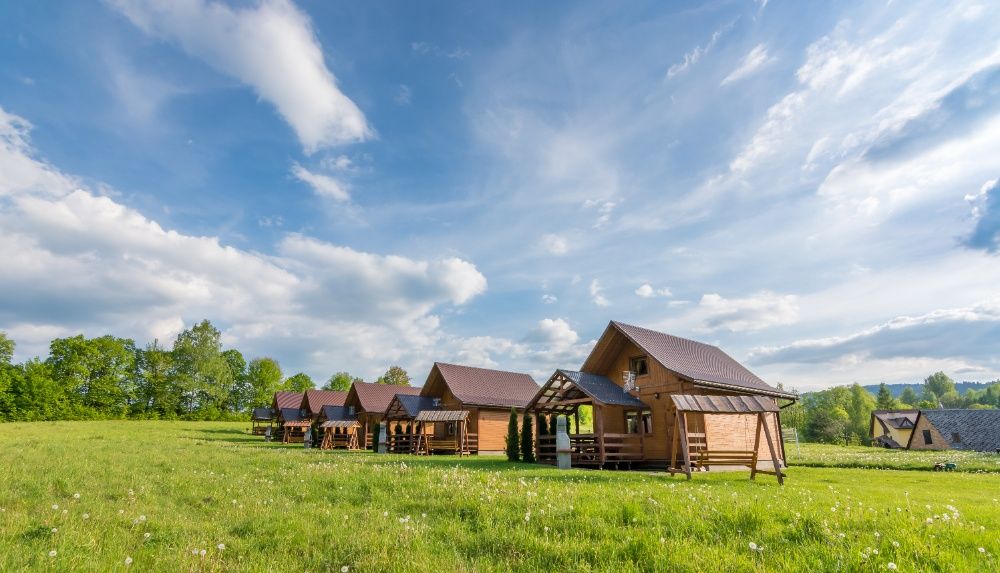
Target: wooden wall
(491, 426)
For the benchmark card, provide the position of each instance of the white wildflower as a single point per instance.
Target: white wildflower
(55, 506)
(202, 553)
(221, 547)
(982, 550)
(345, 569)
(128, 561)
(146, 535)
(52, 553)
(891, 566)
(76, 496)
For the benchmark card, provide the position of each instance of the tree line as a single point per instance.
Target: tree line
(843, 413)
(110, 377)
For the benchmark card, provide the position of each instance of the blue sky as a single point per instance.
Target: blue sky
(346, 186)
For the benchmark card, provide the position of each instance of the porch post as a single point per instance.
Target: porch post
(599, 428)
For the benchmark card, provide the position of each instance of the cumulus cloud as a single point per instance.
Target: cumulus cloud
(967, 333)
(597, 294)
(555, 244)
(549, 298)
(755, 312)
(646, 290)
(268, 45)
(986, 211)
(323, 185)
(77, 261)
(751, 64)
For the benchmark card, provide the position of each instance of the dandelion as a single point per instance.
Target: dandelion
(52, 553)
(142, 518)
(385, 514)
(65, 511)
(345, 569)
(891, 566)
(202, 553)
(929, 520)
(895, 544)
(753, 546)
(423, 515)
(76, 496)
(128, 561)
(146, 535)
(877, 535)
(86, 516)
(55, 506)
(55, 530)
(221, 547)
(982, 550)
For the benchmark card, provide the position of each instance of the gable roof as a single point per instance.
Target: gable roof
(314, 400)
(261, 414)
(408, 406)
(337, 413)
(702, 364)
(290, 414)
(286, 400)
(483, 386)
(375, 398)
(978, 430)
(723, 404)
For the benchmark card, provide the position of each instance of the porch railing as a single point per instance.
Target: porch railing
(585, 449)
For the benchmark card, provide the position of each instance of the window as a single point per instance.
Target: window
(927, 437)
(638, 365)
(450, 428)
(634, 422)
(436, 402)
(955, 438)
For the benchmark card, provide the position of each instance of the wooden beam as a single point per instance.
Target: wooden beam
(599, 430)
(756, 447)
(685, 449)
(774, 456)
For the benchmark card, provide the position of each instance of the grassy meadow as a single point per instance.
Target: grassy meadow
(187, 496)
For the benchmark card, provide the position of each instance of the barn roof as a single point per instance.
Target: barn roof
(314, 400)
(372, 397)
(263, 414)
(483, 386)
(570, 385)
(703, 364)
(287, 400)
(723, 404)
(407, 406)
(977, 430)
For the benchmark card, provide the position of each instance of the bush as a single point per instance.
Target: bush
(512, 441)
(527, 443)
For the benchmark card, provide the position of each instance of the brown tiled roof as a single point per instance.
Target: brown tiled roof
(316, 399)
(723, 404)
(287, 400)
(485, 387)
(703, 364)
(376, 397)
(442, 416)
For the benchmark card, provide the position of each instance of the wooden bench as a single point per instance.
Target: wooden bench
(707, 458)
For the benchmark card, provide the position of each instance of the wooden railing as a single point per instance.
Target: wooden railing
(585, 449)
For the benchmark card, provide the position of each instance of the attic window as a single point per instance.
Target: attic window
(639, 366)
(955, 438)
(436, 402)
(927, 437)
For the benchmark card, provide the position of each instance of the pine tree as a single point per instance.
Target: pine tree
(512, 442)
(885, 401)
(543, 429)
(527, 443)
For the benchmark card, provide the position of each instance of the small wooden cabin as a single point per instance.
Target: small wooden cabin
(294, 424)
(892, 428)
(289, 401)
(401, 414)
(956, 429)
(628, 381)
(370, 401)
(339, 427)
(313, 401)
(488, 396)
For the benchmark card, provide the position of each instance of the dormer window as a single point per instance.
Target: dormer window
(956, 438)
(638, 366)
(436, 402)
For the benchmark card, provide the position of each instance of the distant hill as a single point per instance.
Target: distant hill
(897, 389)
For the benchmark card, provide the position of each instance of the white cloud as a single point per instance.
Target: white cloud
(694, 56)
(404, 95)
(555, 244)
(549, 298)
(646, 290)
(323, 185)
(604, 210)
(755, 312)
(268, 45)
(751, 64)
(317, 305)
(597, 294)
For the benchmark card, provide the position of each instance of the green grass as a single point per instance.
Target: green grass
(828, 456)
(192, 486)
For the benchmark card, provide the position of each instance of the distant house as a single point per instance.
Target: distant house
(314, 400)
(370, 401)
(952, 429)
(659, 399)
(339, 427)
(487, 395)
(892, 428)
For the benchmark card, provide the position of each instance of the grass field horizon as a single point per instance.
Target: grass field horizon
(205, 496)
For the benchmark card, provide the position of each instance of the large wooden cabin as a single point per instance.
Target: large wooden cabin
(487, 395)
(370, 401)
(639, 425)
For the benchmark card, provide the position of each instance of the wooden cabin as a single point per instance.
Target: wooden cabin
(294, 424)
(487, 395)
(339, 427)
(261, 419)
(955, 429)
(629, 381)
(282, 405)
(370, 401)
(401, 414)
(313, 401)
(892, 428)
